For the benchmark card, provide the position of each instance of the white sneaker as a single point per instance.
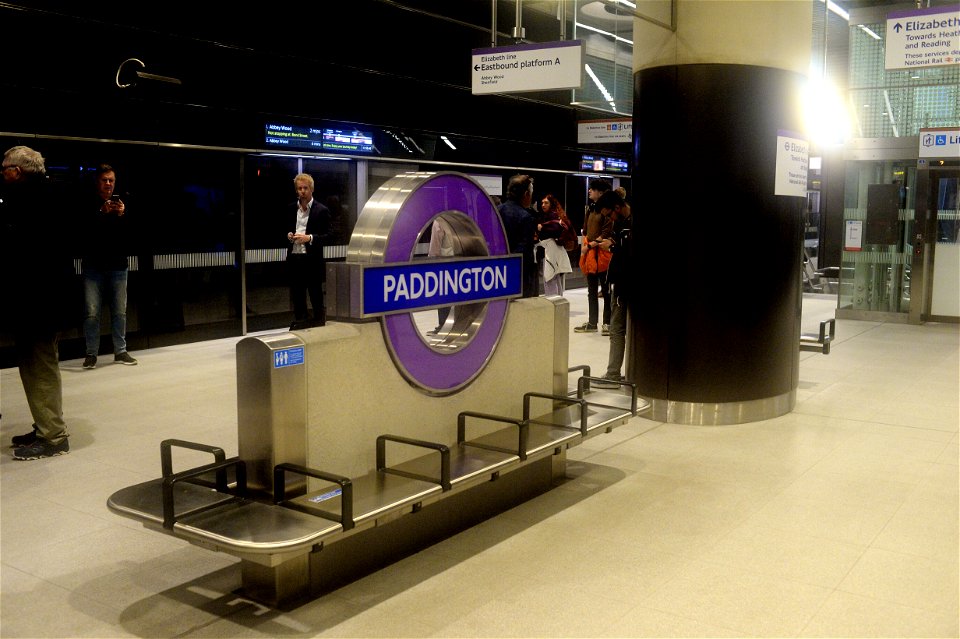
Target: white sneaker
(604, 329)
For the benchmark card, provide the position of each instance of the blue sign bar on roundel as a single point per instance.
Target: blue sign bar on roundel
(394, 288)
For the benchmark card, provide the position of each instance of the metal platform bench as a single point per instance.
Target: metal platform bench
(819, 342)
(279, 539)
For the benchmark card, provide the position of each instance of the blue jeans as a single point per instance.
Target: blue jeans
(109, 286)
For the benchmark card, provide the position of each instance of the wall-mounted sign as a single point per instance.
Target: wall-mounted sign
(321, 140)
(528, 67)
(604, 131)
(943, 142)
(919, 38)
(288, 357)
(492, 184)
(793, 157)
(853, 236)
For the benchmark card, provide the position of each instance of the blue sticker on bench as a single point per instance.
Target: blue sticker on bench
(326, 496)
(288, 357)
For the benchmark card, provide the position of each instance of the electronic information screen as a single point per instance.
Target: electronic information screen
(305, 138)
(601, 164)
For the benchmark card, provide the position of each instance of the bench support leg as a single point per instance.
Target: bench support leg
(559, 466)
(277, 585)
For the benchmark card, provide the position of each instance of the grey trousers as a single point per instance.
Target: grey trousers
(618, 337)
(38, 358)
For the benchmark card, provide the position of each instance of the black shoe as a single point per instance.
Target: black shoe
(125, 358)
(24, 440)
(40, 449)
(90, 361)
(586, 327)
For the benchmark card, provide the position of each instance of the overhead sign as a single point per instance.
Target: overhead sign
(528, 67)
(921, 38)
(793, 157)
(604, 131)
(940, 142)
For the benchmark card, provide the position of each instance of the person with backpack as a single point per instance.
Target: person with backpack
(554, 231)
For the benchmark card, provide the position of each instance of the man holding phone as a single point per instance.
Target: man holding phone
(106, 244)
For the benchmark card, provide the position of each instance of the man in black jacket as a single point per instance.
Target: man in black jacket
(521, 228)
(618, 279)
(311, 230)
(38, 275)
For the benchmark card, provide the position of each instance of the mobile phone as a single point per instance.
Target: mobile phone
(115, 198)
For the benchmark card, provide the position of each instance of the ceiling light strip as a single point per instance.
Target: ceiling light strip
(580, 25)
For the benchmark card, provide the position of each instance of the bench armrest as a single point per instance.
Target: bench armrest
(825, 325)
(346, 489)
(166, 458)
(169, 516)
(558, 398)
(522, 432)
(444, 451)
(583, 384)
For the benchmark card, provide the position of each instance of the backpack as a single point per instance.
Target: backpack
(568, 237)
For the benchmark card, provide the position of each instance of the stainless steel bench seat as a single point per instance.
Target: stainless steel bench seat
(144, 502)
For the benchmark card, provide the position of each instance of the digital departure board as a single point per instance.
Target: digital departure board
(602, 164)
(318, 139)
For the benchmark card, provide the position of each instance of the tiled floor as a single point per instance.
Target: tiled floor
(839, 519)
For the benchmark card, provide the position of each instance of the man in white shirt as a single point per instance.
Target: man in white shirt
(311, 230)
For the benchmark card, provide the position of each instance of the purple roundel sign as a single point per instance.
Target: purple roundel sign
(388, 232)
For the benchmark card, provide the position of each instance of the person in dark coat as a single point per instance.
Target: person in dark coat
(38, 286)
(521, 227)
(619, 280)
(307, 267)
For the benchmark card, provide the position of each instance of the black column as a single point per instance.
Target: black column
(715, 324)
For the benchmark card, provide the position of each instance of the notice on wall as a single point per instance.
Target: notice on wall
(793, 158)
(920, 38)
(853, 235)
(492, 184)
